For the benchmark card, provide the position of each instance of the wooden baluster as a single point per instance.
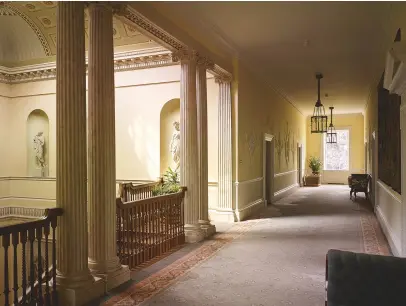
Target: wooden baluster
(137, 235)
(127, 232)
(165, 226)
(40, 268)
(182, 220)
(54, 292)
(156, 229)
(150, 211)
(120, 233)
(47, 293)
(31, 237)
(6, 244)
(144, 236)
(15, 241)
(23, 238)
(134, 235)
(130, 237)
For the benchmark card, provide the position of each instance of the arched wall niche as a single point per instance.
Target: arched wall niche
(38, 144)
(170, 113)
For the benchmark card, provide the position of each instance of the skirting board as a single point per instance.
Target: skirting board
(392, 238)
(285, 192)
(249, 209)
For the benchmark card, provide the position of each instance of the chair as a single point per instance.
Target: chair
(359, 183)
(356, 279)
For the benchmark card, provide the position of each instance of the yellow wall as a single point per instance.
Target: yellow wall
(140, 97)
(261, 110)
(355, 123)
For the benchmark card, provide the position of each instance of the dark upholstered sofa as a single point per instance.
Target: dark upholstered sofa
(355, 279)
(359, 183)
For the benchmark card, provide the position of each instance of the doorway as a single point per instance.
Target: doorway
(268, 168)
(300, 165)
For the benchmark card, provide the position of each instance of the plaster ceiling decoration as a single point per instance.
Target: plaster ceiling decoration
(286, 43)
(31, 26)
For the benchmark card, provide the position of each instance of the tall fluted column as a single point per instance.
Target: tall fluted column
(225, 170)
(189, 175)
(201, 94)
(76, 284)
(103, 260)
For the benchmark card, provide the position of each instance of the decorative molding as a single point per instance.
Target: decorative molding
(282, 191)
(251, 204)
(396, 196)
(148, 28)
(284, 173)
(185, 55)
(33, 26)
(53, 179)
(22, 212)
(258, 179)
(287, 143)
(124, 61)
(5, 10)
(393, 239)
(279, 147)
(251, 142)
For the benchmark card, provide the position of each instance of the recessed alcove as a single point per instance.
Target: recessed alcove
(170, 113)
(37, 144)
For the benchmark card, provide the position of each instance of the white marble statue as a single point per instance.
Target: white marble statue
(175, 144)
(39, 143)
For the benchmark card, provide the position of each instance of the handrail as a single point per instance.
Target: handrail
(49, 214)
(120, 203)
(130, 192)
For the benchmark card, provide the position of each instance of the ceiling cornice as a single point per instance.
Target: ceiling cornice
(144, 26)
(123, 61)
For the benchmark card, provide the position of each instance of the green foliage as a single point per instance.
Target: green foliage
(315, 164)
(170, 184)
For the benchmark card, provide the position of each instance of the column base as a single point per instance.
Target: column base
(227, 216)
(81, 295)
(116, 278)
(193, 233)
(208, 228)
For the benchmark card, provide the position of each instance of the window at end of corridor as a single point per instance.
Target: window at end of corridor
(337, 155)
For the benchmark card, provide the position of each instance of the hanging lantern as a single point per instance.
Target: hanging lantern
(331, 136)
(319, 118)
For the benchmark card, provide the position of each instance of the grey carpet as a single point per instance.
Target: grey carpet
(281, 260)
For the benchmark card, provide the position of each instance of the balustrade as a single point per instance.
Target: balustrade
(34, 284)
(148, 228)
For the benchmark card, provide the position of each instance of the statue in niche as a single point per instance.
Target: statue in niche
(175, 145)
(39, 144)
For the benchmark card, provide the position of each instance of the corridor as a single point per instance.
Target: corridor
(264, 261)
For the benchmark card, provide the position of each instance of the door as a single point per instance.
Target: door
(300, 165)
(269, 161)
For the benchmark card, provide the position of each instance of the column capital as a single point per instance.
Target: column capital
(204, 61)
(185, 55)
(222, 78)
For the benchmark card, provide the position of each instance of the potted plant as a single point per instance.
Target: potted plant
(315, 165)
